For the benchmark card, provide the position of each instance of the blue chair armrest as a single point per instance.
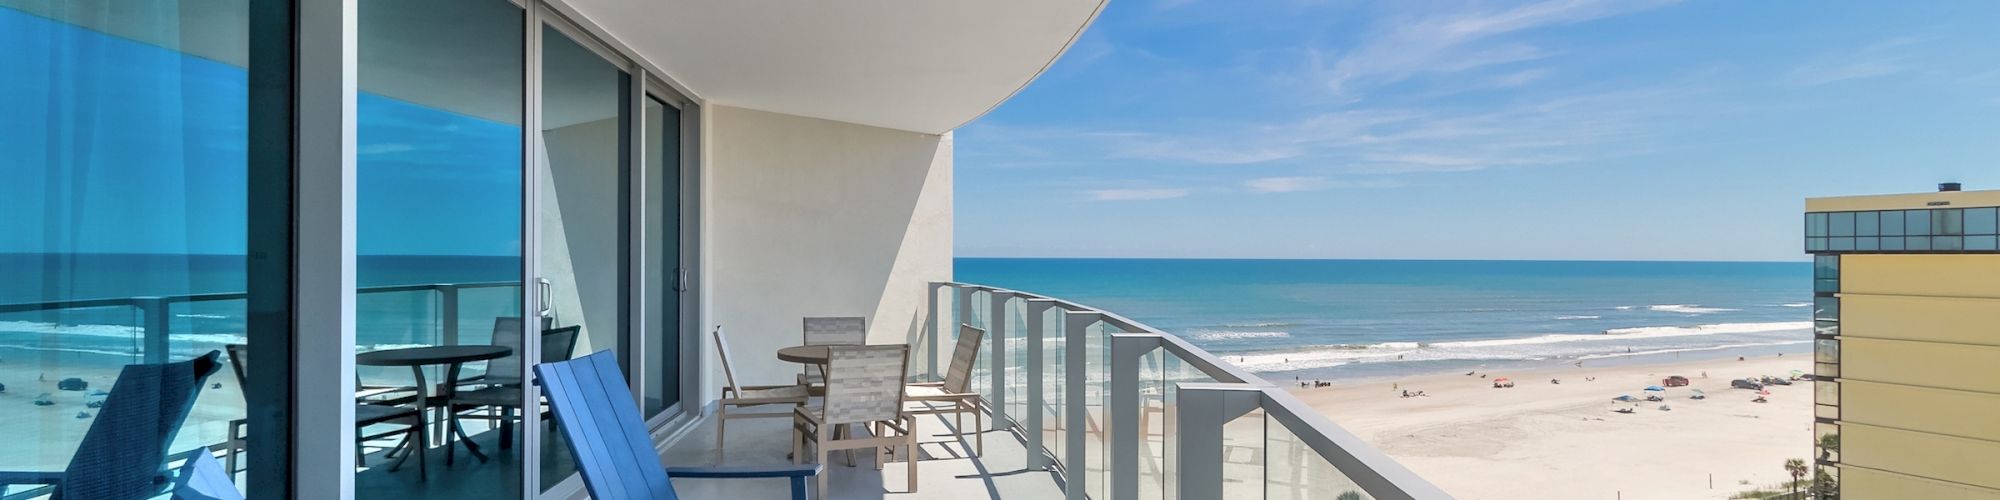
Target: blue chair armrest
(13, 477)
(739, 472)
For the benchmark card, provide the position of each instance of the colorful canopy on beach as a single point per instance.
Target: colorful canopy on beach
(1655, 388)
(1625, 398)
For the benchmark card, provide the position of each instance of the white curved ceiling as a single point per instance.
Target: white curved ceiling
(919, 65)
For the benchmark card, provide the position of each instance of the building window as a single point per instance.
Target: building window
(1840, 224)
(1917, 223)
(1867, 224)
(1815, 225)
(1982, 221)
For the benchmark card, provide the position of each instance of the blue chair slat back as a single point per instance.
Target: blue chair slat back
(597, 417)
(203, 479)
(125, 450)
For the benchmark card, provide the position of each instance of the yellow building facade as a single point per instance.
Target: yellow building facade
(1906, 315)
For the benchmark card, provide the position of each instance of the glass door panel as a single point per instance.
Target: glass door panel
(582, 213)
(665, 283)
(438, 131)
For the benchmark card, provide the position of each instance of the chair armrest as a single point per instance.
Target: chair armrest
(30, 477)
(740, 472)
(924, 384)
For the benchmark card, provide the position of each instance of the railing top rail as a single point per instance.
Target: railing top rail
(204, 297)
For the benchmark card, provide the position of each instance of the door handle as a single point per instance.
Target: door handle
(680, 279)
(544, 287)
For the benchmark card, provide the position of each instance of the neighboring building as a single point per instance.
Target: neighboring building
(1906, 314)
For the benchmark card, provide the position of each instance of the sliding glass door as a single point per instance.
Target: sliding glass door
(582, 211)
(666, 278)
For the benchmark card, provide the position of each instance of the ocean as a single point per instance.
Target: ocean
(1384, 318)
(1307, 318)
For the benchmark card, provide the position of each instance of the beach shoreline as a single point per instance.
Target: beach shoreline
(1540, 440)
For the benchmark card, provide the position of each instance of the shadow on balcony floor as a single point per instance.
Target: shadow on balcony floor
(945, 471)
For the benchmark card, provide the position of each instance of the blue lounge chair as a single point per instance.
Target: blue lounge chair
(201, 478)
(596, 415)
(124, 454)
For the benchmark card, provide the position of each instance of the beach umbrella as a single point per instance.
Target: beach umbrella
(1655, 388)
(1625, 398)
(1797, 373)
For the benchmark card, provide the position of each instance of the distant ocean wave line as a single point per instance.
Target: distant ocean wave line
(1565, 345)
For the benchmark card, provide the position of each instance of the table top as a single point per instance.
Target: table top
(432, 355)
(813, 354)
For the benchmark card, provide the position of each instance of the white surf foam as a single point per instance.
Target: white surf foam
(1236, 335)
(1522, 348)
(1687, 309)
(1796, 304)
(1579, 316)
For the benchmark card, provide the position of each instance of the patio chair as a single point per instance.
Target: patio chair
(864, 386)
(203, 479)
(368, 411)
(831, 331)
(954, 395)
(124, 453)
(741, 396)
(601, 424)
(501, 393)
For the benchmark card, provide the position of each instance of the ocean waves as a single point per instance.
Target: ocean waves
(1613, 342)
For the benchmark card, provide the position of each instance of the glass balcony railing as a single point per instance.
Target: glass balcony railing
(1122, 411)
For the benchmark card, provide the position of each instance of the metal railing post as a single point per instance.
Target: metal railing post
(931, 330)
(1202, 411)
(1123, 403)
(996, 336)
(153, 320)
(1037, 403)
(448, 313)
(1075, 401)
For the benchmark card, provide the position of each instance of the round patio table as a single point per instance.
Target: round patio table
(804, 354)
(452, 357)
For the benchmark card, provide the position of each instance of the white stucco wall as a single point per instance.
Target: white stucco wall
(809, 217)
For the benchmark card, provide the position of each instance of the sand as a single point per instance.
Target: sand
(1544, 441)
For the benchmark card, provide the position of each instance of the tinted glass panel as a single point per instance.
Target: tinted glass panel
(1840, 224)
(1947, 243)
(585, 209)
(1917, 243)
(1826, 308)
(1891, 243)
(1826, 266)
(1816, 224)
(124, 177)
(1826, 351)
(1839, 244)
(438, 194)
(663, 256)
(1815, 244)
(1980, 243)
(1947, 222)
(1866, 244)
(1866, 224)
(1917, 222)
(1892, 222)
(1981, 220)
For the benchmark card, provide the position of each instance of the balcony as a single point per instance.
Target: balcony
(1089, 404)
(1085, 404)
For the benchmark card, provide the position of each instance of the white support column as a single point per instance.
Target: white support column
(1037, 402)
(1075, 400)
(1203, 409)
(323, 346)
(1123, 405)
(996, 336)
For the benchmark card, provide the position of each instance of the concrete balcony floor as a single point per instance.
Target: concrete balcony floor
(946, 470)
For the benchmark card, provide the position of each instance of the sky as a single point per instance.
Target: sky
(1642, 130)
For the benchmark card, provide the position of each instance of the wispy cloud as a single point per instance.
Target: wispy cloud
(1267, 185)
(1136, 194)
(1455, 42)
(1882, 58)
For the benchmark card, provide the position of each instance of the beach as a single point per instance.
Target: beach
(1539, 440)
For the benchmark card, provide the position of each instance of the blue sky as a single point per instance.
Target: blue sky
(1517, 130)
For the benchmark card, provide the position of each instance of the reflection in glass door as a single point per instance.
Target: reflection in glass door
(582, 213)
(665, 281)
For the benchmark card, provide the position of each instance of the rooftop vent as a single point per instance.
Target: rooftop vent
(1946, 187)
